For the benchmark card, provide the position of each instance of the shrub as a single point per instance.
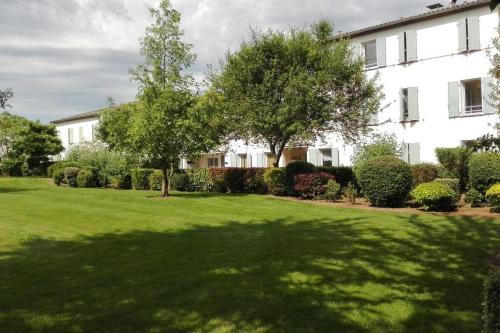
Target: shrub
(254, 181)
(52, 168)
(474, 198)
(155, 180)
(298, 168)
(493, 197)
(484, 171)
(424, 173)
(229, 179)
(455, 160)
(276, 181)
(434, 196)
(70, 174)
(385, 180)
(179, 182)
(86, 178)
(58, 176)
(491, 304)
(343, 175)
(350, 193)
(312, 185)
(120, 182)
(444, 173)
(140, 178)
(333, 190)
(452, 183)
(200, 180)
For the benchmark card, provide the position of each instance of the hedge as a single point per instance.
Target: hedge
(424, 173)
(70, 175)
(493, 197)
(155, 180)
(121, 182)
(452, 183)
(474, 198)
(491, 304)
(86, 178)
(385, 180)
(484, 171)
(435, 196)
(276, 181)
(180, 182)
(140, 178)
(343, 175)
(312, 185)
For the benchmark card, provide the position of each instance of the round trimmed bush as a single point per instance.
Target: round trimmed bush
(385, 180)
(86, 178)
(70, 175)
(493, 197)
(58, 176)
(276, 181)
(179, 182)
(424, 173)
(155, 180)
(434, 196)
(333, 190)
(453, 183)
(484, 171)
(474, 198)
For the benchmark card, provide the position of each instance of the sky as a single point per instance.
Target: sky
(63, 57)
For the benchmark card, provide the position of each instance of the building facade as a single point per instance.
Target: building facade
(434, 69)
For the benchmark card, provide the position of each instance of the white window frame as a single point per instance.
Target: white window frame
(473, 109)
(211, 160)
(71, 136)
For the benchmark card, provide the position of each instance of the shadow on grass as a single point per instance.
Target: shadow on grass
(12, 190)
(314, 276)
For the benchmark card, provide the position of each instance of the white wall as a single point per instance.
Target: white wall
(85, 124)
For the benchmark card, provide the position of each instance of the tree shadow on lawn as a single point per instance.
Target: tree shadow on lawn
(13, 190)
(319, 275)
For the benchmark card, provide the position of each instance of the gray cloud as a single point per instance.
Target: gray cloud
(66, 56)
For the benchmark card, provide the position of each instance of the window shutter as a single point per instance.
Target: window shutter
(335, 157)
(249, 160)
(233, 160)
(414, 153)
(413, 103)
(411, 45)
(474, 41)
(312, 156)
(462, 36)
(401, 38)
(381, 57)
(453, 99)
(401, 106)
(487, 90)
(406, 152)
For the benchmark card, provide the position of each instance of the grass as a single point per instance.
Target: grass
(91, 260)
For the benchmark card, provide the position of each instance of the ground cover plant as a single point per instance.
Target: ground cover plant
(101, 260)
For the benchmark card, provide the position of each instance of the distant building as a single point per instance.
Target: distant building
(434, 69)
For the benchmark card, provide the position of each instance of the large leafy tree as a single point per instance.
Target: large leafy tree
(495, 72)
(36, 143)
(286, 88)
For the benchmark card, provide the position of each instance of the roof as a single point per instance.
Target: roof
(450, 9)
(86, 115)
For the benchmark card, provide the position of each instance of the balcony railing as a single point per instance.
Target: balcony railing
(473, 109)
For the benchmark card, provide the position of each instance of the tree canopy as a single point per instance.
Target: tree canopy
(288, 88)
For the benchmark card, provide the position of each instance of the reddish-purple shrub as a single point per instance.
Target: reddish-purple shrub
(311, 185)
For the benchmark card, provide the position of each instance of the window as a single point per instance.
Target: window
(327, 157)
(223, 161)
(370, 49)
(404, 102)
(80, 134)
(213, 162)
(243, 161)
(407, 46)
(468, 34)
(71, 139)
(472, 98)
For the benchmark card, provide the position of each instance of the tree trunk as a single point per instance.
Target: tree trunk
(164, 182)
(277, 156)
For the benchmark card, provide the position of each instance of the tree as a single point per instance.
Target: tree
(5, 96)
(286, 88)
(495, 72)
(11, 127)
(36, 143)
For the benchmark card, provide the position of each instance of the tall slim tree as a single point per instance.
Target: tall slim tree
(495, 72)
(287, 88)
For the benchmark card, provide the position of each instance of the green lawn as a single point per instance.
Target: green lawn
(91, 260)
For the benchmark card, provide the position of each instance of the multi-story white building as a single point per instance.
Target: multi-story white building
(434, 68)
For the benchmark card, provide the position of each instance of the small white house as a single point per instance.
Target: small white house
(434, 68)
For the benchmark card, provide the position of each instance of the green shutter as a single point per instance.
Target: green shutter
(413, 103)
(381, 54)
(453, 99)
(487, 90)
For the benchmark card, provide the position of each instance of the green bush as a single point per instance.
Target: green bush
(452, 183)
(434, 196)
(86, 178)
(444, 173)
(277, 181)
(155, 180)
(484, 171)
(120, 182)
(312, 185)
(493, 197)
(200, 180)
(343, 175)
(140, 178)
(474, 198)
(455, 160)
(333, 191)
(424, 173)
(491, 304)
(298, 168)
(58, 176)
(228, 179)
(52, 168)
(70, 175)
(254, 181)
(385, 180)
(180, 182)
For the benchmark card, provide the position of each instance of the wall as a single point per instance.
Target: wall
(86, 124)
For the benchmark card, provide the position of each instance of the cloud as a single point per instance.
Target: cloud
(62, 57)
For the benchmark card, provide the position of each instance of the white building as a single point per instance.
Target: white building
(77, 129)
(434, 68)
